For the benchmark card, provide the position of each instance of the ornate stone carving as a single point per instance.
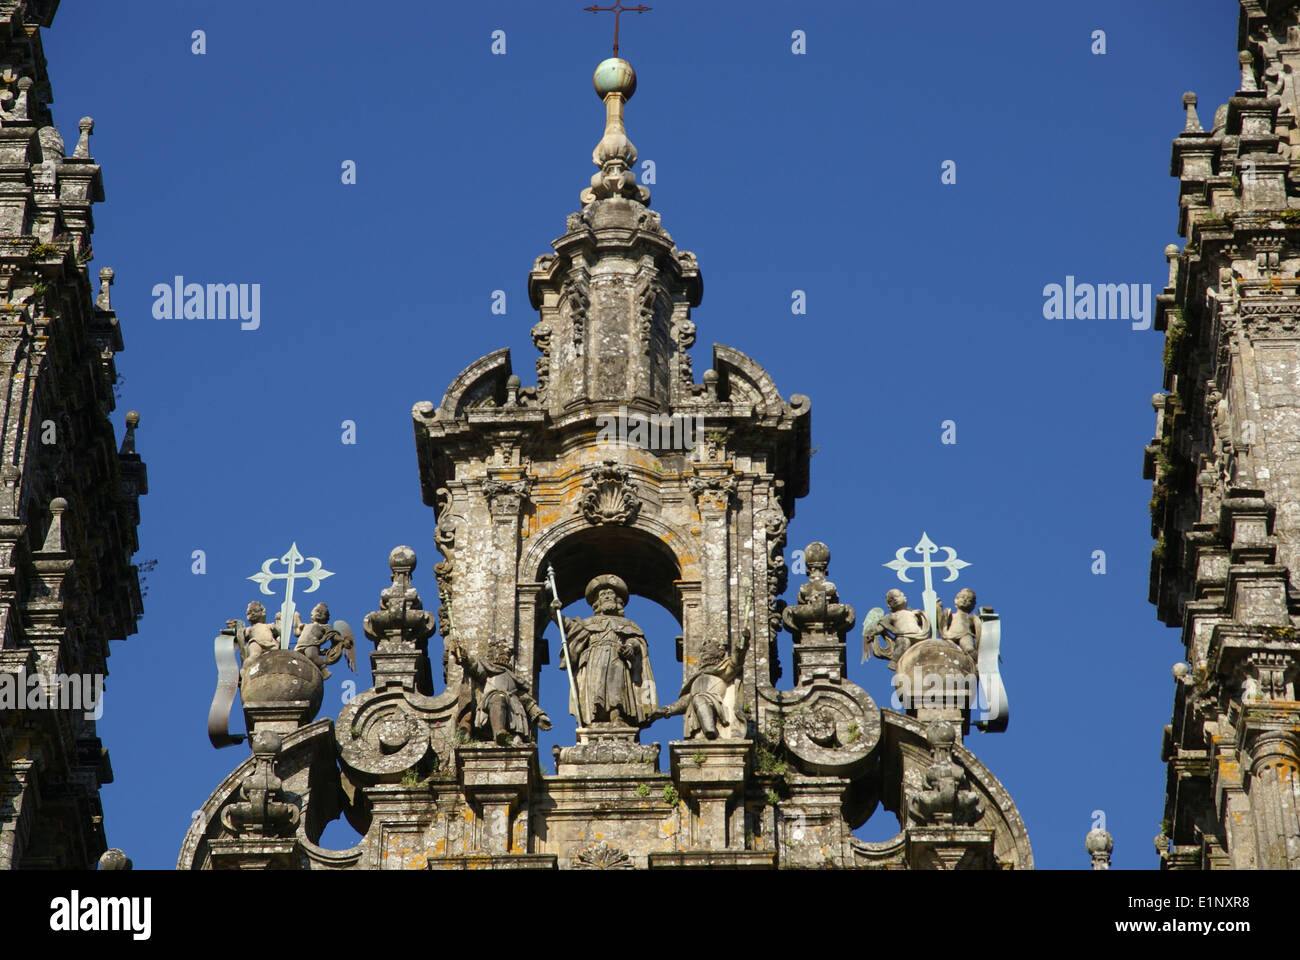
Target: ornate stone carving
(778, 574)
(601, 856)
(507, 497)
(262, 812)
(888, 635)
(574, 294)
(946, 801)
(647, 293)
(608, 495)
(818, 611)
(708, 696)
(444, 538)
(713, 493)
(542, 341)
(504, 709)
(322, 643)
(961, 625)
(401, 619)
(683, 334)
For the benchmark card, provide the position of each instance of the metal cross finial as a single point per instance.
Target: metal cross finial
(926, 549)
(315, 575)
(618, 10)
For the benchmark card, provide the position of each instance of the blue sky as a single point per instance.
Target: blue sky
(817, 172)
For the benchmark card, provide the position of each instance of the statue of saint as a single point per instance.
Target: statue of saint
(898, 629)
(708, 698)
(505, 709)
(961, 625)
(614, 679)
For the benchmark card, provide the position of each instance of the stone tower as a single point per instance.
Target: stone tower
(618, 480)
(1226, 464)
(68, 494)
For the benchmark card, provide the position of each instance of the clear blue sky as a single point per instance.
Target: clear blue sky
(818, 172)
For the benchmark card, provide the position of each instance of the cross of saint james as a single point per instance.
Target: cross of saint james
(618, 10)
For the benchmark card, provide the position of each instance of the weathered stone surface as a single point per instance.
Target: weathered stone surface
(590, 486)
(1225, 462)
(69, 495)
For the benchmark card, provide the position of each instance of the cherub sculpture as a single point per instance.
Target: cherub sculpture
(314, 635)
(887, 635)
(961, 625)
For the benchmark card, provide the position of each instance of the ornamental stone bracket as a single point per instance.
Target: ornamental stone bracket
(609, 496)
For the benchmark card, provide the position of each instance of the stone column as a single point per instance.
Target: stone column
(714, 490)
(711, 775)
(507, 494)
(1274, 762)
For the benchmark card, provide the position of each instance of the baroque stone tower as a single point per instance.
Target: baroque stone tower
(68, 494)
(1226, 464)
(619, 479)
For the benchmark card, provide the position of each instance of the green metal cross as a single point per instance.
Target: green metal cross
(314, 575)
(926, 548)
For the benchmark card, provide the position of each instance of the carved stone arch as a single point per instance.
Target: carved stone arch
(658, 560)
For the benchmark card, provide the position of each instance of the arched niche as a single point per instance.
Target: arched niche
(657, 560)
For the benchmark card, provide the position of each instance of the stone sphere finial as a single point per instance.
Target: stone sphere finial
(1171, 251)
(132, 419)
(941, 734)
(1099, 844)
(58, 505)
(817, 553)
(86, 124)
(1179, 671)
(1189, 99)
(614, 75)
(114, 859)
(401, 560)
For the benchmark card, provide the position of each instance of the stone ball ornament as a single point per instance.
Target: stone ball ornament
(283, 676)
(614, 75)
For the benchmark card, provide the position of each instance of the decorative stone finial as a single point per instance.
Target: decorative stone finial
(54, 536)
(128, 441)
(20, 105)
(114, 859)
(1099, 844)
(615, 82)
(1171, 256)
(1193, 121)
(87, 126)
(105, 301)
(1247, 62)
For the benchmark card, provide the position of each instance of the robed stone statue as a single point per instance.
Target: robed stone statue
(615, 683)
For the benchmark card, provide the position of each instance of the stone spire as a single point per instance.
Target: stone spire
(615, 82)
(616, 295)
